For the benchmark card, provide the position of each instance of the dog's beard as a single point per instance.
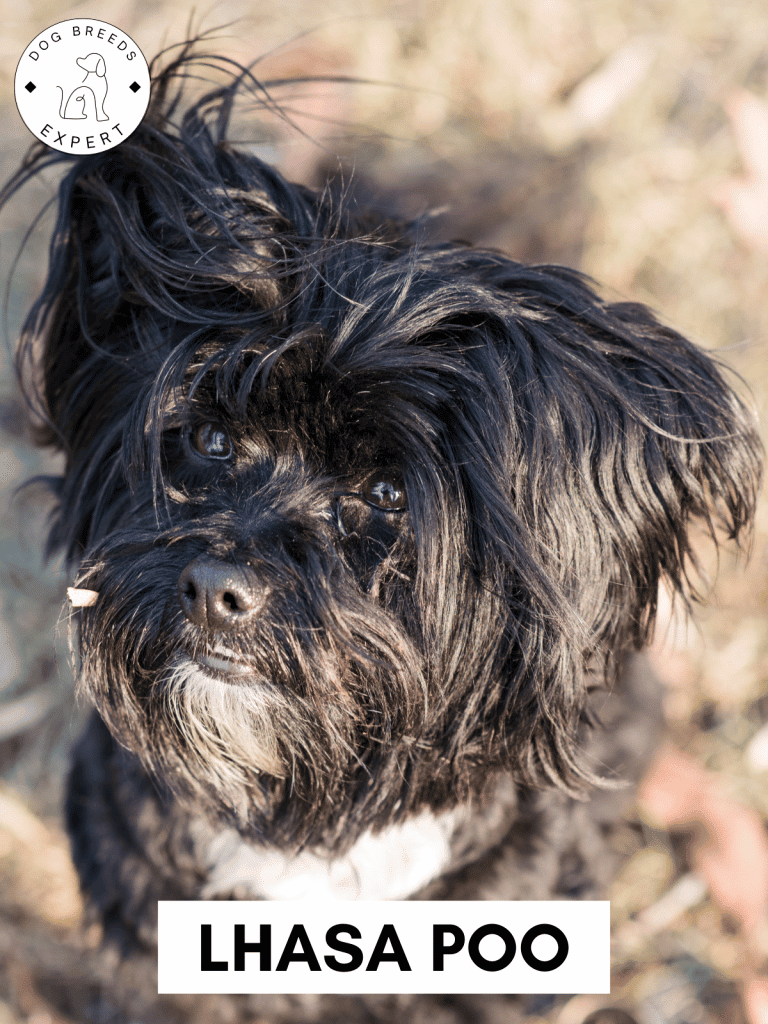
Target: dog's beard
(227, 724)
(280, 727)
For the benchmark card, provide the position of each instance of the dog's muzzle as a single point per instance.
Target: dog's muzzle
(218, 596)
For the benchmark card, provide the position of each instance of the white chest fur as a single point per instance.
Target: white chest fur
(389, 866)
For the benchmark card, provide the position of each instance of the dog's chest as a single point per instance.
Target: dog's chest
(391, 865)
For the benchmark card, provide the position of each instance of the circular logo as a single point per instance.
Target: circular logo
(82, 86)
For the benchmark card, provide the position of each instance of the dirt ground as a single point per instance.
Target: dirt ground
(607, 134)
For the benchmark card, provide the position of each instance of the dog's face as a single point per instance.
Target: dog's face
(367, 517)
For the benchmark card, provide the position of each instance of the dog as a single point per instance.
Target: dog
(367, 533)
(89, 90)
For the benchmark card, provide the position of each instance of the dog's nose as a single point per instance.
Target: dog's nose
(217, 596)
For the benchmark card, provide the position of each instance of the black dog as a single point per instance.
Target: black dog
(374, 529)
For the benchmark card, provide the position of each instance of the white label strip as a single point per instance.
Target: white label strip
(384, 947)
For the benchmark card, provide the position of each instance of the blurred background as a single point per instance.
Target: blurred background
(625, 137)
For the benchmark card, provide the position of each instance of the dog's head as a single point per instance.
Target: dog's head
(367, 517)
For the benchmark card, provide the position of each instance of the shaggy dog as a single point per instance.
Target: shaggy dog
(368, 533)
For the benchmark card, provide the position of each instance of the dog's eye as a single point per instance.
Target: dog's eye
(385, 491)
(212, 441)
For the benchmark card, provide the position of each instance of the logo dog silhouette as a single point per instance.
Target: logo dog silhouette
(88, 92)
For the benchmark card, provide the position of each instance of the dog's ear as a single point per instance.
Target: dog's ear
(165, 235)
(629, 433)
(603, 435)
(171, 227)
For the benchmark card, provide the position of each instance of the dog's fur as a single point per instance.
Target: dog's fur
(377, 528)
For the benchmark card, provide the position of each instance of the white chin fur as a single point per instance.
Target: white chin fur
(226, 724)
